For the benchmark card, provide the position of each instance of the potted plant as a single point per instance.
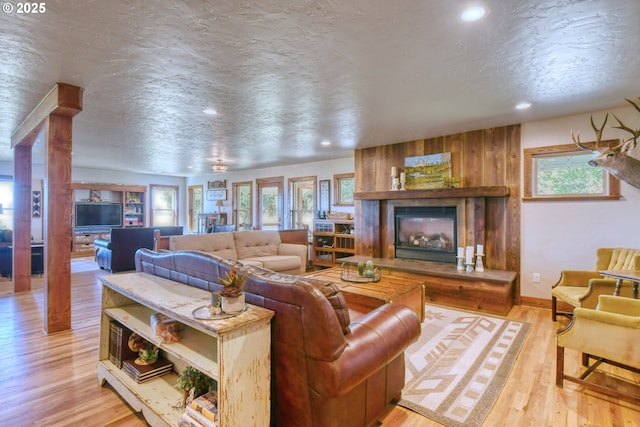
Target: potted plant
(233, 301)
(194, 383)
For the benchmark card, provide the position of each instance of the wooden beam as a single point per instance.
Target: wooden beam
(435, 193)
(63, 99)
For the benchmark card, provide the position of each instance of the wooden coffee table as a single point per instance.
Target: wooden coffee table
(365, 296)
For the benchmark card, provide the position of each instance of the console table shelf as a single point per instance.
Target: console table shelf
(490, 291)
(235, 352)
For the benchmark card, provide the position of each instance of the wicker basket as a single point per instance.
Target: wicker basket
(339, 215)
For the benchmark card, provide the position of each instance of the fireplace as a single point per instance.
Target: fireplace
(427, 233)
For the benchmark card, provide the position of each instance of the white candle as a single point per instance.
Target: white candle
(469, 254)
(393, 171)
(479, 249)
(461, 251)
(402, 176)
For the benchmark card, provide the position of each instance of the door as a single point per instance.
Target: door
(242, 203)
(270, 197)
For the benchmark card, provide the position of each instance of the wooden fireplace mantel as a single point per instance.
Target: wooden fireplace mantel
(435, 193)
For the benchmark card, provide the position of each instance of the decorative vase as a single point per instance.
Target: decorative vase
(233, 305)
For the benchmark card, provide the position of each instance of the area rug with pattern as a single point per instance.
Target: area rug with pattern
(459, 365)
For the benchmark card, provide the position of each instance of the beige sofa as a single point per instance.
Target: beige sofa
(263, 248)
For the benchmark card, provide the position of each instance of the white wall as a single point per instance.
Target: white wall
(322, 170)
(565, 235)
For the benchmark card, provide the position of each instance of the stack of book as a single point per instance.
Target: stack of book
(142, 373)
(202, 411)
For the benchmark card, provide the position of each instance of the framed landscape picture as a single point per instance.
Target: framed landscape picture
(218, 194)
(429, 171)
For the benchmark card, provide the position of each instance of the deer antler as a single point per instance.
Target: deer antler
(598, 131)
(635, 133)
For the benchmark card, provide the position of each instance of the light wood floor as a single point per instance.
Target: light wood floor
(51, 380)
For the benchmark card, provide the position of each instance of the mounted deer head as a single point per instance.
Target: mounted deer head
(615, 159)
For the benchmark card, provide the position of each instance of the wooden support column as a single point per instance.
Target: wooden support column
(53, 115)
(57, 223)
(22, 222)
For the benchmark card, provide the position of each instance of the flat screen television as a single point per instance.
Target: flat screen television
(98, 215)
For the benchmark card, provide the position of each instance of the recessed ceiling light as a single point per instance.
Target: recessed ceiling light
(523, 105)
(325, 143)
(210, 111)
(473, 13)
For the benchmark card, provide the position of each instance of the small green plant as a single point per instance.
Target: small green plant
(194, 382)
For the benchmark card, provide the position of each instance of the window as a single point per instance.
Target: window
(562, 172)
(242, 202)
(164, 205)
(6, 200)
(302, 198)
(344, 189)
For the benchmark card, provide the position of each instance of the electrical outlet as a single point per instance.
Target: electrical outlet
(536, 277)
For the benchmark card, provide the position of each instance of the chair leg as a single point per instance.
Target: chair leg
(554, 306)
(585, 359)
(559, 366)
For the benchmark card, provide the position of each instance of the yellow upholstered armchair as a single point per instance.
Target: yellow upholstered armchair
(580, 288)
(610, 334)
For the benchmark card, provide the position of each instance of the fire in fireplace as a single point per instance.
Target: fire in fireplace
(426, 233)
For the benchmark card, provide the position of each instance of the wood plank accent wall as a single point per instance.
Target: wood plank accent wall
(487, 157)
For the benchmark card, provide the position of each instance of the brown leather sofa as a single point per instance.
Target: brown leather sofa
(326, 370)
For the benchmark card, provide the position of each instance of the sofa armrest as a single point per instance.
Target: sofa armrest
(292, 249)
(376, 339)
(607, 317)
(577, 277)
(102, 243)
(295, 249)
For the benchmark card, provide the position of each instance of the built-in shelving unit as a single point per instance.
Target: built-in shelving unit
(332, 240)
(131, 197)
(134, 209)
(235, 351)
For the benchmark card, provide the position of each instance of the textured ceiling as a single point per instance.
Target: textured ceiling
(285, 75)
